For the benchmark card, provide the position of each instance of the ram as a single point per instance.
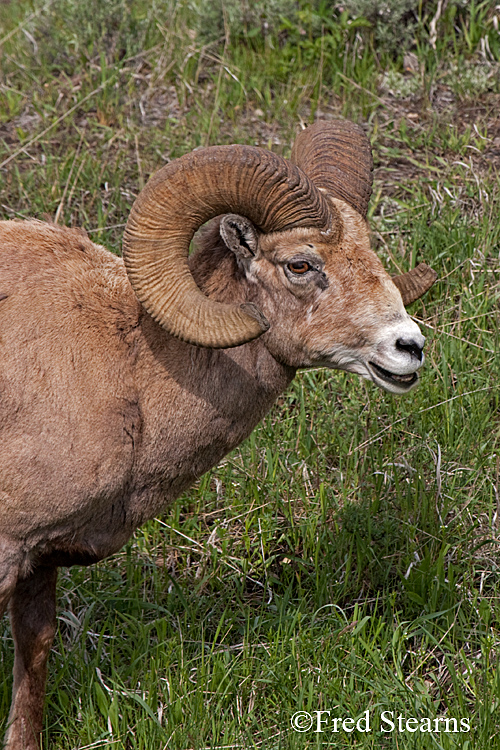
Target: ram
(122, 381)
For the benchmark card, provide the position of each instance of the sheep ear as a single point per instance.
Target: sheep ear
(240, 235)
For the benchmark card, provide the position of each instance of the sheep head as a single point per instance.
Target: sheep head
(315, 290)
(329, 302)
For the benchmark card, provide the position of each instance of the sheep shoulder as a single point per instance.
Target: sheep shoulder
(38, 259)
(67, 388)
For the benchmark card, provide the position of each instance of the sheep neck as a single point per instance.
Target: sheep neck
(199, 403)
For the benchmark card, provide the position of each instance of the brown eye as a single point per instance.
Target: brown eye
(299, 267)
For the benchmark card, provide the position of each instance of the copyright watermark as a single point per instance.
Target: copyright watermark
(386, 721)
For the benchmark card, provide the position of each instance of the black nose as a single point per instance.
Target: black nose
(410, 346)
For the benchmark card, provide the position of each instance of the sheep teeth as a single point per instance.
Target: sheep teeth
(407, 379)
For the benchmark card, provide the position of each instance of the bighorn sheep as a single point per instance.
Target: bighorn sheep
(122, 381)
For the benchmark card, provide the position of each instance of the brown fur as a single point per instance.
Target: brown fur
(105, 418)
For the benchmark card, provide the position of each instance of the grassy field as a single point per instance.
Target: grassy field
(347, 556)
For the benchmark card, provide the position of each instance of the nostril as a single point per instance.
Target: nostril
(410, 346)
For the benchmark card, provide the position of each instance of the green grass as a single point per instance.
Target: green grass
(346, 557)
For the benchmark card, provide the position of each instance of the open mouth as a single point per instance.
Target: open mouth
(391, 378)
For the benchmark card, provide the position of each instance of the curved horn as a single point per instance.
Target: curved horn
(415, 283)
(178, 199)
(337, 157)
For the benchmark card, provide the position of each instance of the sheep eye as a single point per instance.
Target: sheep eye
(299, 267)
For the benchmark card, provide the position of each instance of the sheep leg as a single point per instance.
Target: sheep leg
(33, 621)
(7, 587)
(10, 558)
(9, 570)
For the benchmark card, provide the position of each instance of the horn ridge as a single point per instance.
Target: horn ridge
(336, 155)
